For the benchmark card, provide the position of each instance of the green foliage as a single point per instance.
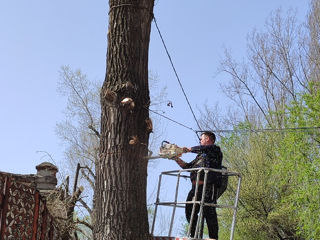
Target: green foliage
(300, 162)
(262, 214)
(278, 87)
(280, 191)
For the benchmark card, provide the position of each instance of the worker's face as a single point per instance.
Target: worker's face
(204, 140)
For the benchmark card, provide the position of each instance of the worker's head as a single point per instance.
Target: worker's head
(207, 138)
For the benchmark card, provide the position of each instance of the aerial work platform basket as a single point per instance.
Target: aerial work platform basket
(177, 238)
(181, 204)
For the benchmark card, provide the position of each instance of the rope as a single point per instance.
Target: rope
(121, 5)
(129, 5)
(174, 69)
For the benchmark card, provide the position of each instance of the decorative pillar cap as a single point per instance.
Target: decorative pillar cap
(46, 166)
(46, 176)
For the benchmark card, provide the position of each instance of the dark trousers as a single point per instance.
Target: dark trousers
(209, 213)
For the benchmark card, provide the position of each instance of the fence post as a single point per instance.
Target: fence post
(4, 206)
(35, 215)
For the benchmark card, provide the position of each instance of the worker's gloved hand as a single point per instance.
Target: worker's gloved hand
(185, 149)
(174, 158)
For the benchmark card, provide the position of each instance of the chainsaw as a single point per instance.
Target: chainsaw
(168, 150)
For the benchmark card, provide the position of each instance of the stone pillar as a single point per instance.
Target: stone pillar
(46, 177)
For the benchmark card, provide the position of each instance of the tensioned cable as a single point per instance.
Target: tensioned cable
(174, 69)
(239, 130)
(266, 129)
(172, 120)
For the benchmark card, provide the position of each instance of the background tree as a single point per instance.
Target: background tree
(300, 161)
(275, 88)
(121, 172)
(80, 132)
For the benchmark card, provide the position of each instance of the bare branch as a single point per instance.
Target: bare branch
(72, 202)
(83, 232)
(76, 178)
(88, 225)
(94, 130)
(235, 75)
(90, 171)
(66, 74)
(87, 178)
(85, 205)
(66, 189)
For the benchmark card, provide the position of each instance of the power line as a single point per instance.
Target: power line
(174, 69)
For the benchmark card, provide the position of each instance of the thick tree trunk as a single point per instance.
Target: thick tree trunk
(120, 193)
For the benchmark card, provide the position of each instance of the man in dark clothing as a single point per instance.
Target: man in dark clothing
(209, 155)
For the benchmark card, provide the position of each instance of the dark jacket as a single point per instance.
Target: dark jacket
(209, 156)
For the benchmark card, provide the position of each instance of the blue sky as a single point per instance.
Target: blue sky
(38, 37)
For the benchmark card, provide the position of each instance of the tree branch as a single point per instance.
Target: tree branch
(85, 205)
(76, 178)
(88, 225)
(87, 178)
(90, 171)
(94, 130)
(72, 202)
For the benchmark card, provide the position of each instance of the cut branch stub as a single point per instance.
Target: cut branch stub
(149, 125)
(134, 140)
(128, 102)
(109, 95)
(129, 86)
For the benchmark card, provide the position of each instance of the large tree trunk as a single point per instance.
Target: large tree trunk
(120, 193)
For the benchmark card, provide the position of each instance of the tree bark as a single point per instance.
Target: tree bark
(121, 173)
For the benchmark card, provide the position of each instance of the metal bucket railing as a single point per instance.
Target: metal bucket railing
(201, 203)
